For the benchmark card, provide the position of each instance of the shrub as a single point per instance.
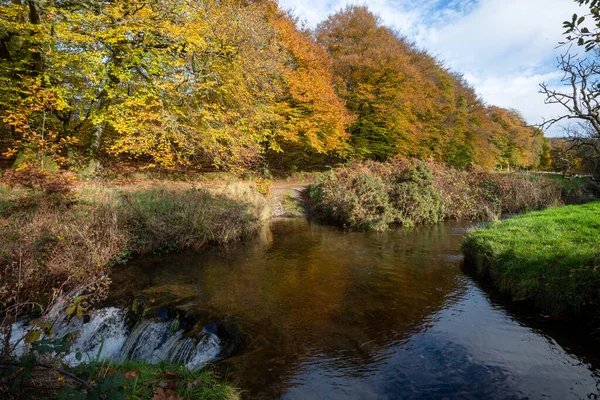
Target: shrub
(519, 193)
(415, 198)
(374, 196)
(264, 186)
(371, 195)
(55, 188)
(355, 198)
(467, 195)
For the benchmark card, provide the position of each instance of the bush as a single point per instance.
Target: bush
(519, 193)
(355, 198)
(372, 196)
(467, 195)
(53, 188)
(264, 186)
(415, 198)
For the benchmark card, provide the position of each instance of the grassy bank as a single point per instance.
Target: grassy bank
(67, 240)
(376, 196)
(550, 258)
(103, 380)
(164, 381)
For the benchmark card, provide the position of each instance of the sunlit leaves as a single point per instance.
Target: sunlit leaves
(407, 103)
(228, 84)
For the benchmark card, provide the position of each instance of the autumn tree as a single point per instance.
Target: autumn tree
(180, 83)
(370, 65)
(407, 103)
(231, 84)
(311, 119)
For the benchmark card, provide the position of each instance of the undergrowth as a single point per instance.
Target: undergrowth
(376, 196)
(163, 381)
(53, 245)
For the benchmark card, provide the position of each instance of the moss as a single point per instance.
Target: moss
(550, 258)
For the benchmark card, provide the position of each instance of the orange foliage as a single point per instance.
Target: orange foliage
(231, 84)
(409, 104)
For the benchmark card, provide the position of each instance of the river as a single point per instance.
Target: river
(326, 314)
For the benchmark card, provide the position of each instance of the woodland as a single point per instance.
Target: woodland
(235, 85)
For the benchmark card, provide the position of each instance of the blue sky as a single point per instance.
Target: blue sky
(504, 48)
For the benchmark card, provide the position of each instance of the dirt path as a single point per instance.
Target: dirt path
(286, 200)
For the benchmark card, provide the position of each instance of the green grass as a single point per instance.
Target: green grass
(140, 380)
(550, 258)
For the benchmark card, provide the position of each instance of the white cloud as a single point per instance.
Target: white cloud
(505, 48)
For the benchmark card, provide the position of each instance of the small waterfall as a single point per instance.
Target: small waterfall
(145, 340)
(105, 336)
(156, 341)
(101, 338)
(207, 349)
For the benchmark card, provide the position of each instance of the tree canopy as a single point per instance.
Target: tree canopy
(233, 84)
(407, 103)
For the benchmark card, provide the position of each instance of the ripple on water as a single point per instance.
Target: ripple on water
(335, 315)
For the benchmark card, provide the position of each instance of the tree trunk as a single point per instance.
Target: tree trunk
(35, 9)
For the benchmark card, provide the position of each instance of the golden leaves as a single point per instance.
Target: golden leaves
(222, 84)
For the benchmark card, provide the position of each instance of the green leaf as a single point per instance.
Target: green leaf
(112, 382)
(71, 310)
(79, 312)
(32, 336)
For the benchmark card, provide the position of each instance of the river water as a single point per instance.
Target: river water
(326, 314)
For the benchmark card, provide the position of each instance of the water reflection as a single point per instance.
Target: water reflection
(354, 315)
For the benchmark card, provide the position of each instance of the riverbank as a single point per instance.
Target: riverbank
(66, 241)
(549, 258)
(378, 196)
(58, 238)
(130, 380)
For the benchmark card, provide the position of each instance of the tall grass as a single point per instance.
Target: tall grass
(47, 248)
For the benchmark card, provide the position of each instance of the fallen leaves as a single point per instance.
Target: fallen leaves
(165, 394)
